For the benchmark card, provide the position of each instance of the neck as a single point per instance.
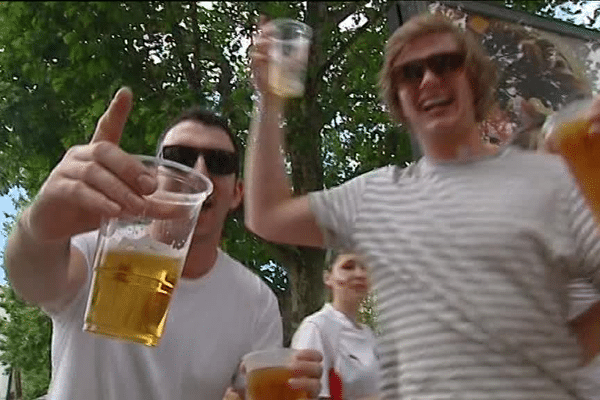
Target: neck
(201, 258)
(459, 147)
(348, 308)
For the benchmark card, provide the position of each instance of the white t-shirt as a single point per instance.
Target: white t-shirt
(213, 321)
(353, 346)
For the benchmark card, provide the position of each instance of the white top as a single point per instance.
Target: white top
(213, 321)
(350, 349)
(470, 261)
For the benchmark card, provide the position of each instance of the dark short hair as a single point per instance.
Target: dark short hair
(206, 117)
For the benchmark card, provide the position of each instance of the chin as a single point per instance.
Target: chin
(444, 127)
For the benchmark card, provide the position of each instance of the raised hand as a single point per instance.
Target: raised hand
(259, 55)
(93, 180)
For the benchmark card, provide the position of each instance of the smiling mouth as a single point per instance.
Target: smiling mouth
(429, 105)
(360, 286)
(208, 203)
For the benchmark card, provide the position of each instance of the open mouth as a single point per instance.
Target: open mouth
(208, 203)
(438, 102)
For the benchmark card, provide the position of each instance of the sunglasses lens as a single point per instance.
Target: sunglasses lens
(218, 162)
(413, 71)
(443, 63)
(180, 154)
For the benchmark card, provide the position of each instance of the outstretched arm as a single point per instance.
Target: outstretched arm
(271, 211)
(93, 180)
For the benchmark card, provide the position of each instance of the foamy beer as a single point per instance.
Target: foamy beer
(566, 132)
(267, 374)
(289, 57)
(139, 258)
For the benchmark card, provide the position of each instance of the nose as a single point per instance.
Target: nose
(361, 272)
(429, 78)
(201, 165)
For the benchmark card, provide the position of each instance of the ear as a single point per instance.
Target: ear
(238, 195)
(327, 278)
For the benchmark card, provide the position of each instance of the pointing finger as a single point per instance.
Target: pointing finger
(111, 123)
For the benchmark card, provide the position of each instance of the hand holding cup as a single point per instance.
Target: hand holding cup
(282, 373)
(574, 133)
(279, 57)
(91, 181)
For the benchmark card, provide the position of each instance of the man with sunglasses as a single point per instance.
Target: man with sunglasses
(220, 310)
(470, 248)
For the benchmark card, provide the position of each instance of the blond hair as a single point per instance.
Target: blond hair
(480, 69)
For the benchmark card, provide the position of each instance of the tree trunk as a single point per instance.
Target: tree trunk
(18, 384)
(304, 294)
(305, 289)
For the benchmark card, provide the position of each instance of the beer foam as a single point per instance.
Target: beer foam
(145, 244)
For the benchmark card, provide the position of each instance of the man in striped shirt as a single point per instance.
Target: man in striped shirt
(471, 248)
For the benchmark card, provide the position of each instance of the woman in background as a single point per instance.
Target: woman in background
(348, 346)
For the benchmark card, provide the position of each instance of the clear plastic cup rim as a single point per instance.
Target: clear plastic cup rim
(305, 30)
(157, 161)
(275, 357)
(569, 112)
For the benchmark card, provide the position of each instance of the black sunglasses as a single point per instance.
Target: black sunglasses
(218, 162)
(439, 64)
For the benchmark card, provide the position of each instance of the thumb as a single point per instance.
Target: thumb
(111, 123)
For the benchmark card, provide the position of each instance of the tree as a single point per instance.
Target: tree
(30, 354)
(60, 70)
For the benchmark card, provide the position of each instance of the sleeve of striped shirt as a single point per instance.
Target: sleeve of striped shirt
(582, 295)
(336, 209)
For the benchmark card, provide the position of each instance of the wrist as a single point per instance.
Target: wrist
(270, 102)
(26, 227)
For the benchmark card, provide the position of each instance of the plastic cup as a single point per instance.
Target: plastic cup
(267, 374)
(566, 132)
(289, 57)
(139, 258)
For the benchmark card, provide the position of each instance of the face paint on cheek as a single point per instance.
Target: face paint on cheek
(341, 281)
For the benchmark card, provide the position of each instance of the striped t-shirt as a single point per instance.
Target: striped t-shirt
(470, 262)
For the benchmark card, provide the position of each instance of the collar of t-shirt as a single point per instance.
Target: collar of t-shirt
(426, 165)
(346, 322)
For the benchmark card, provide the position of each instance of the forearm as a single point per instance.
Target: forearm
(266, 181)
(36, 269)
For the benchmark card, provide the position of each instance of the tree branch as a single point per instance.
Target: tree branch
(186, 66)
(211, 53)
(344, 46)
(341, 15)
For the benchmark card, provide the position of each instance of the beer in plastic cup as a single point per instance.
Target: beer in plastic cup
(566, 132)
(267, 374)
(139, 258)
(289, 57)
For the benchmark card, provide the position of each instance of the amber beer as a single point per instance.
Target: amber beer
(271, 383)
(267, 375)
(569, 133)
(289, 57)
(131, 294)
(139, 258)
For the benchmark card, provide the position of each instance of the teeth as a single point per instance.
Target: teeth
(435, 102)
